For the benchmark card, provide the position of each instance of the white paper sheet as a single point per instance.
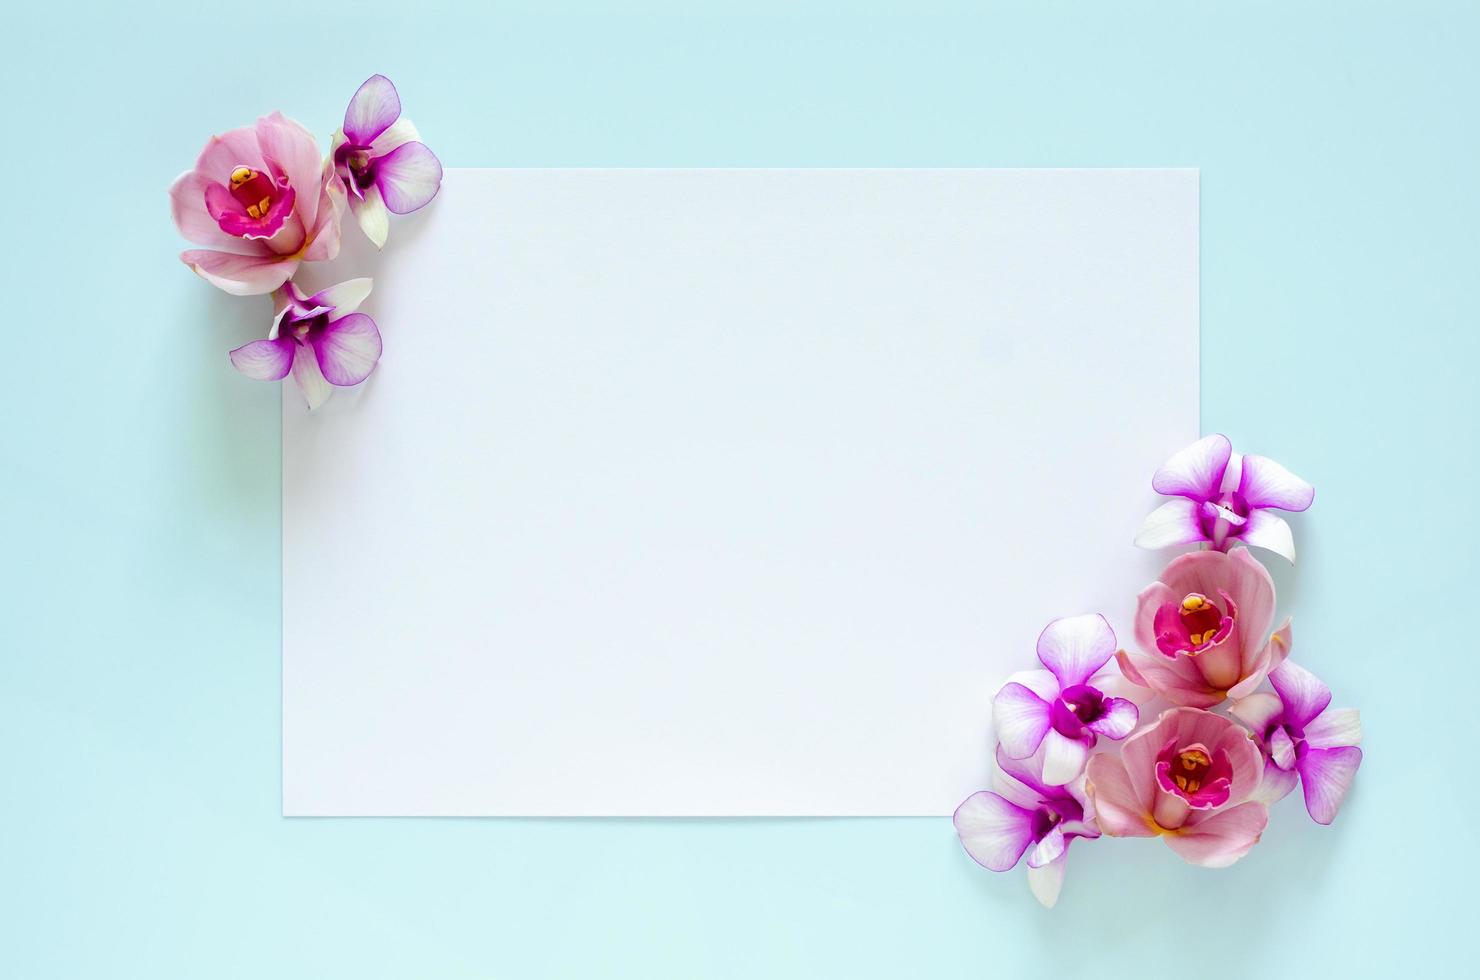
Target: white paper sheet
(724, 492)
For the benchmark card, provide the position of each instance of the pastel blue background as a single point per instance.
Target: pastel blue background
(139, 595)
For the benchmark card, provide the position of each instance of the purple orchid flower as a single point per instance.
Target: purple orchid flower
(1224, 498)
(1026, 816)
(1064, 708)
(321, 339)
(381, 160)
(1304, 740)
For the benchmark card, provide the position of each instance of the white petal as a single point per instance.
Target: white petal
(1063, 758)
(1271, 532)
(1046, 882)
(1174, 522)
(371, 213)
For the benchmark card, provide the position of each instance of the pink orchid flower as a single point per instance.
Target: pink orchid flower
(1206, 623)
(261, 200)
(381, 161)
(1064, 708)
(1188, 779)
(321, 339)
(1224, 498)
(1304, 740)
(1026, 816)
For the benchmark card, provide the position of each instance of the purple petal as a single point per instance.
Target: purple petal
(264, 360)
(1075, 647)
(1326, 775)
(1334, 728)
(1302, 693)
(994, 832)
(1265, 483)
(1197, 471)
(1119, 719)
(1021, 719)
(1026, 777)
(1174, 522)
(348, 349)
(1063, 758)
(408, 177)
(1269, 531)
(372, 110)
(1257, 711)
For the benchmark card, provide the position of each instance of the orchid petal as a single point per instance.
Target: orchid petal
(994, 832)
(310, 379)
(371, 213)
(323, 239)
(1022, 779)
(400, 131)
(1119, 719)
(193, 220)
(1281, 748)
(1037, 680)
(1048, 880)
(1257, 710)
(240, 275)
(1302, 693)
(286, 143)
(1276, 784)
(343, 298)
(1050, 848)
(1326, 775)
(408, 177)
(1197, 471)
(1021, 719)
(348, 349)
(1075, 647)
(1063, 758)
(1221, 839)
(1265, 483)
(372, 109)
(224, 153)
(1174, 522)
(1118, 808)
(1270, 532)
(264, 360)
(1334, 728)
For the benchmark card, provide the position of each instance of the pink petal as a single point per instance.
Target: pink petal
(1302, 692)
(188, 208)
(1326, 775)
(1117, 805)
(1176, 680)
(1150, 601)
(293, 148)
(223, 154)
(1174, 522)
(240, 275)
(264, 360)
(1047, 881)
(372, 109)
(1063, 758)
(310, 379)
(408, 177)
(1119, 719)
(1265, 483)
(323, 241)
(348, 349)
(1197, 471)
(1021, 718)
(1075, 647)
(1334, 728)
(1250, 584)
(994, 832)
(1221, 839)
(1266, 530)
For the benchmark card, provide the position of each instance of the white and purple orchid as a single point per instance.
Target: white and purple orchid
(1026, 815)
(1223, 498)
(380, 160)
(321, 339)
(1304, 740)
(1063, 709)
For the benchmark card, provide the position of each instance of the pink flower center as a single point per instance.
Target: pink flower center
(253, 190)
(1201, 617)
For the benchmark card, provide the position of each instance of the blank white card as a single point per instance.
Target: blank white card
(724, 492)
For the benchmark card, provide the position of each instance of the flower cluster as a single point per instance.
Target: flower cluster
(262, 200)
(1072, 762)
